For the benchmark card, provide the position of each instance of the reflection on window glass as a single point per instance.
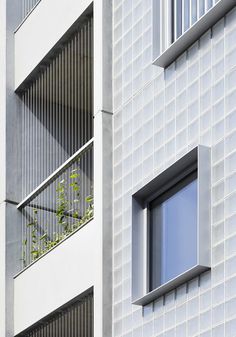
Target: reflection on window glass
(186, 14)
(178, 18)
(172, 21)
(193, 11)
(209, 4)
(173, 233)
(158, 26)
(201, 7)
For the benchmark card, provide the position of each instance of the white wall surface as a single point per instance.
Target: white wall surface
(56, 278)
(41, 31)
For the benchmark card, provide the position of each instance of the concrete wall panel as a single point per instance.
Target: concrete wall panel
(56, 278)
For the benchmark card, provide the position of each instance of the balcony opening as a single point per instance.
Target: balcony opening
(57, 144)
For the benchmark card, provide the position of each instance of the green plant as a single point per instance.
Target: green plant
(24, 244)
(62, 204)
(34, 243)
(66, 212)
(74, 176)
(90, 209)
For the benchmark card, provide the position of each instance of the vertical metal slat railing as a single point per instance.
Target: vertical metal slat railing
(51, 106)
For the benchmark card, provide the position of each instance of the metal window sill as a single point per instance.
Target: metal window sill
(170, 285)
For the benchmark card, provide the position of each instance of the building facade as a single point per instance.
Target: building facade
(160, 115)
(56, 132)
(118, 194)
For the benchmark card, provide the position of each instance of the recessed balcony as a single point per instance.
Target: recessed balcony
(57, 145)
(60, 205)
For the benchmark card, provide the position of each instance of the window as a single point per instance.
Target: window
(171, 227)
(179, 23)
(186, 13)
(173, 232)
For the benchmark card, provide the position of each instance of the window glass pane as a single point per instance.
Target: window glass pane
(157, 27)
(201, 7)
(172, 21)
(178, 18)
(209, 4)
(179, 248)
(173, 235)
(193, 11)
(186, 14)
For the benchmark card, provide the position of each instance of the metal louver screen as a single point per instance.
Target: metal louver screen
(57, 108)
(75, 320)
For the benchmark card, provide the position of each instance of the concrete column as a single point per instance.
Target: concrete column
(103, 164)
(103, 219)
(10, 225)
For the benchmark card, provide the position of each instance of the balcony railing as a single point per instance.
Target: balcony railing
(60, 205)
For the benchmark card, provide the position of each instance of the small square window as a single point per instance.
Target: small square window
(171, 227)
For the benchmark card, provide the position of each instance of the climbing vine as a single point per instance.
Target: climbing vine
(68, 217)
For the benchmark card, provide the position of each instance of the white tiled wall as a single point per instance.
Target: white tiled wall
(159, 115)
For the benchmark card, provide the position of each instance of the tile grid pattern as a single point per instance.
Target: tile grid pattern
(158, 117)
